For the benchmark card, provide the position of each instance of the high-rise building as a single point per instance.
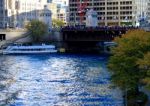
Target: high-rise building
(54, 8)
(141, 11)
(63, 15)
(49, 1)
(61, 2)
(59, 10)
(16, 13)
(110, 12)
(148, 14)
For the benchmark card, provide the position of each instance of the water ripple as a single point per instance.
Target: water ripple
(56, 80)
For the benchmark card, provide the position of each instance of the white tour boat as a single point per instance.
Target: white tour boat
(34, 49)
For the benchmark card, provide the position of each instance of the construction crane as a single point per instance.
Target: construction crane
(81, 9)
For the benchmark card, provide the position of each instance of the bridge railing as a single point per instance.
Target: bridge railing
(83, 28)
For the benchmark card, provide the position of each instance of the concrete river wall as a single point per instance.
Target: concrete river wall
(11, 35)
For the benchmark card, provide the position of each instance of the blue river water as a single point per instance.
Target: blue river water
(56, 80)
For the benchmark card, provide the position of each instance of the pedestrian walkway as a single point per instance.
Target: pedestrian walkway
(6, 42)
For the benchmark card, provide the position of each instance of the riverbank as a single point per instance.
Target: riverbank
(72, 50)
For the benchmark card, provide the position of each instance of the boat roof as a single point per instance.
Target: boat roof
(33, 47)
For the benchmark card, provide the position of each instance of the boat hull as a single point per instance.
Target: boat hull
(29, 52)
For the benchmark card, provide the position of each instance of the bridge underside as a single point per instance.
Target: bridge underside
(91, 36)
(83, 46)
(88, 40)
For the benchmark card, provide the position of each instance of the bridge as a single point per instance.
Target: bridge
(86, 38)
(74, 34)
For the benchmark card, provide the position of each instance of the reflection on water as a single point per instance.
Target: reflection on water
(56, 80)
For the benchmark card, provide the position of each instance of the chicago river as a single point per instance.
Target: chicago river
(56, 80)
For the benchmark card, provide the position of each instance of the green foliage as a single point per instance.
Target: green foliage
(126, 23)
(144, 65)
(124, 62)
(38, 29)
(57, 23)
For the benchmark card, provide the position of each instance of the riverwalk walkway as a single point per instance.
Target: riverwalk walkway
(5, 43)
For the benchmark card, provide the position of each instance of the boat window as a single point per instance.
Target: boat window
(41, 49)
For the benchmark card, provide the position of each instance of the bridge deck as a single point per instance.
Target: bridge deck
(72, 34)
(116, 28)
